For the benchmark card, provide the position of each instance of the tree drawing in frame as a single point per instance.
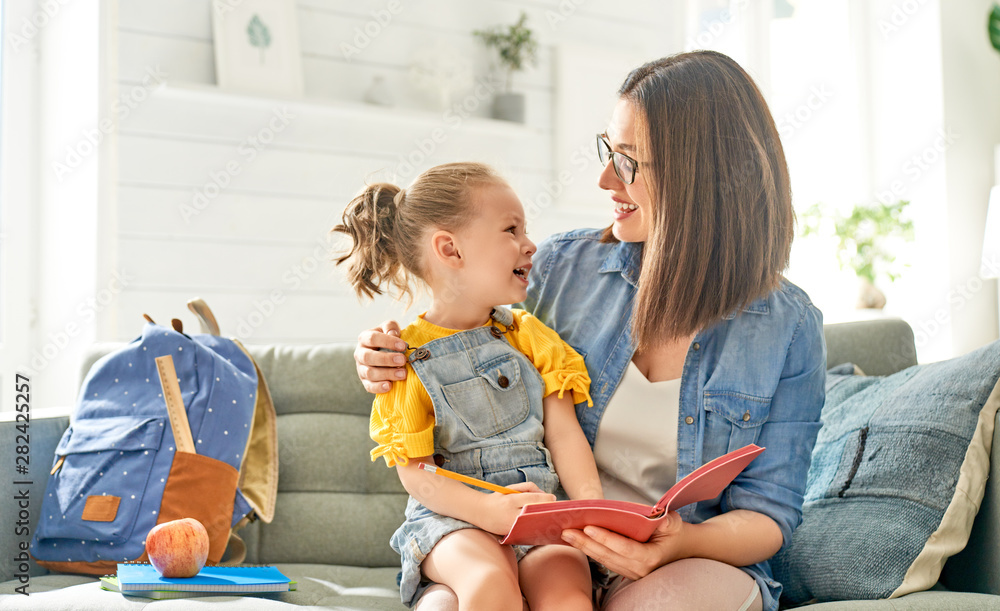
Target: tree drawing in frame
(259, 35)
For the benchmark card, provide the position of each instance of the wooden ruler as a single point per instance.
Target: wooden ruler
(175, 404)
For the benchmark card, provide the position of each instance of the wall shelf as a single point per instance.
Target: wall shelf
(212, 94)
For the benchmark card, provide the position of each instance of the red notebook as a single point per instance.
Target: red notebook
(543, 523)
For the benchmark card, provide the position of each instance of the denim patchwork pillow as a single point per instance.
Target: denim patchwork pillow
(897, 476)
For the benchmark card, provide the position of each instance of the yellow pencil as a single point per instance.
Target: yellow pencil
(466, 479)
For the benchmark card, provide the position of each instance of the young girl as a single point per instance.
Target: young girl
(473, 402)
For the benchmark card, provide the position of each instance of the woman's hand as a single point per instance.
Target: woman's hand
(375, 368)
(628, 557)
(500, 510)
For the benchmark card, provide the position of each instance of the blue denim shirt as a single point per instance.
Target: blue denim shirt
(754, 377)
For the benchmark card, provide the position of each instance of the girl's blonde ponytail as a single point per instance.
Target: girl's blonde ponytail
(370, 220)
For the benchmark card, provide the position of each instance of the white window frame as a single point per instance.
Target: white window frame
(18, 192)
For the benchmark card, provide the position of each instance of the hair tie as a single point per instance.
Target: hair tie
(398, 198)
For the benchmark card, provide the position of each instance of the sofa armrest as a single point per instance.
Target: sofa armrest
(879, 347)
(43, 437)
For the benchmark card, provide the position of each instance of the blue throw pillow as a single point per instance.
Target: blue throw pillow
(881, 514)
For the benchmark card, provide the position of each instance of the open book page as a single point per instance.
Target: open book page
(543, 523)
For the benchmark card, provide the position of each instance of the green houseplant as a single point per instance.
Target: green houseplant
(864, 242)
(993, 26)
(515, 46)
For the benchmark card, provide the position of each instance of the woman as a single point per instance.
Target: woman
(694, 342)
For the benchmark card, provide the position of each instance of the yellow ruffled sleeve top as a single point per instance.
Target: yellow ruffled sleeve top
(402, 420)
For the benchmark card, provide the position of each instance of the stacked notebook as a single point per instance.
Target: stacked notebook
(135, 579)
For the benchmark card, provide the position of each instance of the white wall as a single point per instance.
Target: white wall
(971, 69)
(936, 81)
(179, 202)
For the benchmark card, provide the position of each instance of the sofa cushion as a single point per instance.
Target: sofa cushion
(898, 474)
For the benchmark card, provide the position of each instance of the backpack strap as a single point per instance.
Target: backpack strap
(205, 316)
(259, 470)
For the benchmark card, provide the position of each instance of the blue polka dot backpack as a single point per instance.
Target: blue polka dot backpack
(170, 426)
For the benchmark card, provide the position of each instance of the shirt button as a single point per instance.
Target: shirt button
(503, 381)
(689, 420)
(746, 416)
(696, 346)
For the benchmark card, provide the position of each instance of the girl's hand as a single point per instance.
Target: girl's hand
(628, 557)
(375, 368)
(500, 510)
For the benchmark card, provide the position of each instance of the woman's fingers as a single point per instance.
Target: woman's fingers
(379, 357)
(375, 339)
(622, 555)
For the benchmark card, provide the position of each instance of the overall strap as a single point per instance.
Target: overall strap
(502, 315)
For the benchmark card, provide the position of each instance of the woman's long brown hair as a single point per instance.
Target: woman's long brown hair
(722, 223)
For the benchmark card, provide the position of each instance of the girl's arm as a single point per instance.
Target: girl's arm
(492, 512)
(739, 538)
(571, 453)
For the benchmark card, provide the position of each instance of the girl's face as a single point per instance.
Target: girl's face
(632, 203)
(496, 248)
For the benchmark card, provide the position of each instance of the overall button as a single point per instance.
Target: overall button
(497, 333)
(689, 420)
(502, 380)
(421, 354)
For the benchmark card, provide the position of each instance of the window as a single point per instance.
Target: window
(18, 73)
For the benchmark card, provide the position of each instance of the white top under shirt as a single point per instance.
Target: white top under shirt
(636, 444)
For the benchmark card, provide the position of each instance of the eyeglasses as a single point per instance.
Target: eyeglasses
(625, 166)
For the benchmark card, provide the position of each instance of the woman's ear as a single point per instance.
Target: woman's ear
(444, 247)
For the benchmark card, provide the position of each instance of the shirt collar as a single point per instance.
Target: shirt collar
(626, 258)
(758, 306)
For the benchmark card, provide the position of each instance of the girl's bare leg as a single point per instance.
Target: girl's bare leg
(556, 577)
(481, 572)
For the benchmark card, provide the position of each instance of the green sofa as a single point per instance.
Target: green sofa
(336, 509)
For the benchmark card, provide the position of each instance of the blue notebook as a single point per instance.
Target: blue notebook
(231, 579)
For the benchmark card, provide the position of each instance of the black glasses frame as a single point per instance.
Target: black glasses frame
(627, 173)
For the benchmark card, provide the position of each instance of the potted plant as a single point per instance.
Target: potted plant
(516, 45)
(864, 241)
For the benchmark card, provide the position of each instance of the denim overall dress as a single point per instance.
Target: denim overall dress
(487, 400)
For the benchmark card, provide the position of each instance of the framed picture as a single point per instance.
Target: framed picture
(257, 46)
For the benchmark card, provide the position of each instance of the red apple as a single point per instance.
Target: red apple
(178, 548)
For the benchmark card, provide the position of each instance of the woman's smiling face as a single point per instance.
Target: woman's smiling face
(632, 202)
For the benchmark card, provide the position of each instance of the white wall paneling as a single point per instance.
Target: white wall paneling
(231, 197)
